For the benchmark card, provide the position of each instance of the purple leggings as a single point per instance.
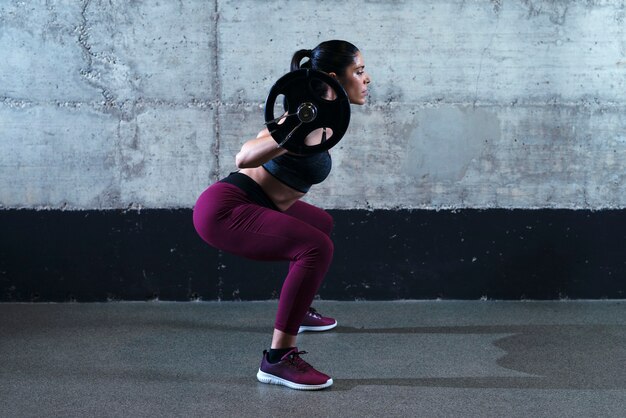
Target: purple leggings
(227, 219)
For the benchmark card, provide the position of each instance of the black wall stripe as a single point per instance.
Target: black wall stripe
(379, 255)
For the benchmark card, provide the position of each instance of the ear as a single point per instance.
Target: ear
(333, 74)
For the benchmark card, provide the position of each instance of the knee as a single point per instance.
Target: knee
(329, 247)
(319, 249)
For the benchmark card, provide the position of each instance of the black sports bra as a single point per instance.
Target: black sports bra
(300, 172)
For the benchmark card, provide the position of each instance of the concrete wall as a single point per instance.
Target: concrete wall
(475, 104)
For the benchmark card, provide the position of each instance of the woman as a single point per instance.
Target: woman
(257, 213)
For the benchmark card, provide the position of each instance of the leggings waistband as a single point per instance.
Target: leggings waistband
(252, 189)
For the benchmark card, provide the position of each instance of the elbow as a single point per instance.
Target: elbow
(242, 162)
(239, 161)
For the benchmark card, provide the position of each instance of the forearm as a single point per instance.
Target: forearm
(258, 151)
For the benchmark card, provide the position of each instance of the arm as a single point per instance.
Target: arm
(258, 151)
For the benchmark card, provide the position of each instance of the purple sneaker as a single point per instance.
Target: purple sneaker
(313, 321)
(293, 372)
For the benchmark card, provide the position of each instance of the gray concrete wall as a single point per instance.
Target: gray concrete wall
(474, 104)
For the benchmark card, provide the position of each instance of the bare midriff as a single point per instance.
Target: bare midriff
(282, 195)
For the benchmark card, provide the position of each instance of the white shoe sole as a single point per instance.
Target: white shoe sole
(304, 328)
(274, 380)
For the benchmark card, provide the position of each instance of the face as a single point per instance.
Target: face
(355, 81)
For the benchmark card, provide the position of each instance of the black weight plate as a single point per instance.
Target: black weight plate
(297, 88)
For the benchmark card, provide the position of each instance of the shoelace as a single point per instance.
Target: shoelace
(296, 361)
(314, 313)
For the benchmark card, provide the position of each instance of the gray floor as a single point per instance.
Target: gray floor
(428, 359)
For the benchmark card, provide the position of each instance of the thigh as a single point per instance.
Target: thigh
(260, 233)
(311, 215)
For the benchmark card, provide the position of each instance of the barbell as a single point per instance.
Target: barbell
(312, 100)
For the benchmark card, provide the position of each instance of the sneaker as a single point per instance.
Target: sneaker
(293, 372)
(313, 321)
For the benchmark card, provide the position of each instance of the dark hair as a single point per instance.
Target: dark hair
(329, 56)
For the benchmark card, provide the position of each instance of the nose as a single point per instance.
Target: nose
(367, 78)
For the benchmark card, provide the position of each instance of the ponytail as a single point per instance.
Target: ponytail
(297, 58)
(329, 56)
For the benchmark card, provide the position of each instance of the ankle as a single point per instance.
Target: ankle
(276, 354)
